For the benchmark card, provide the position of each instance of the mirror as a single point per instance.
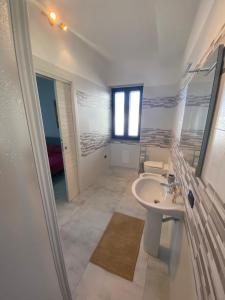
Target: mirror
(199, 108)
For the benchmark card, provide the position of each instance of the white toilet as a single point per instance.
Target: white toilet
(156, 167)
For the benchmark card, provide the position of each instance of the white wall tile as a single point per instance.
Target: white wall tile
(125, 155)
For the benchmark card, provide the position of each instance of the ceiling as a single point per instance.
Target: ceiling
(129, 29)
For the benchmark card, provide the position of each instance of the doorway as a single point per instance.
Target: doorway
(55, 102)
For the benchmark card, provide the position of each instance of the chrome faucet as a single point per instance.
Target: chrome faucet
(171, 186)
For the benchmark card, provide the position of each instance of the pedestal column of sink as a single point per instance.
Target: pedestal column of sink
(152, 232)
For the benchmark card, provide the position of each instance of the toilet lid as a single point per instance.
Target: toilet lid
(154, 164)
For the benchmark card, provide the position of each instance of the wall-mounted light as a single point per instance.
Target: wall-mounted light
(63, 26)
(52, 18)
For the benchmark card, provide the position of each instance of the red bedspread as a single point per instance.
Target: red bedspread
(55, 158)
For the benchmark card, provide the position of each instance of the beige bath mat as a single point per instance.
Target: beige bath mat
(118, 248)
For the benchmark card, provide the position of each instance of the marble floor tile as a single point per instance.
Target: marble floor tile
(156, 282)
(128, 205)
(103, 200)
(99, 284)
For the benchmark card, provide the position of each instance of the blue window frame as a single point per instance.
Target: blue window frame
(126, 112)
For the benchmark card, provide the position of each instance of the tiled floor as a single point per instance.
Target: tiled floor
(81, 226)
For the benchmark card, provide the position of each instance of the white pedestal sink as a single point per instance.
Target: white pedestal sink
(158, 202)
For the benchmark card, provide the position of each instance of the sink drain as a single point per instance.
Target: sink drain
(156, 201)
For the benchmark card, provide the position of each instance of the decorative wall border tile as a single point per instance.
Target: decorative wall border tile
(92, 141)
(182, 95)
(156, 137)
(199, 101)
(191, 139)
(159, 102)
(87, 100)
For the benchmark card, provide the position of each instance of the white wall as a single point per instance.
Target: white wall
(63, 52)
(158, 117)
(94, 123)
(149, 73)
(125, 154)
(64, 49)
(27, 266)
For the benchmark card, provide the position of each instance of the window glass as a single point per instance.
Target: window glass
(126, 109)
(134, 108)
(119, 113)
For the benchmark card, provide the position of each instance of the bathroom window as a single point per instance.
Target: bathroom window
(126, 112)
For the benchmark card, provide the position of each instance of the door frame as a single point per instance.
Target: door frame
(21, 39)
(51, 75)
(49, 70)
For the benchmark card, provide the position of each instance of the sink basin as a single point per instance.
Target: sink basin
(150, 192)
(152, 195)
